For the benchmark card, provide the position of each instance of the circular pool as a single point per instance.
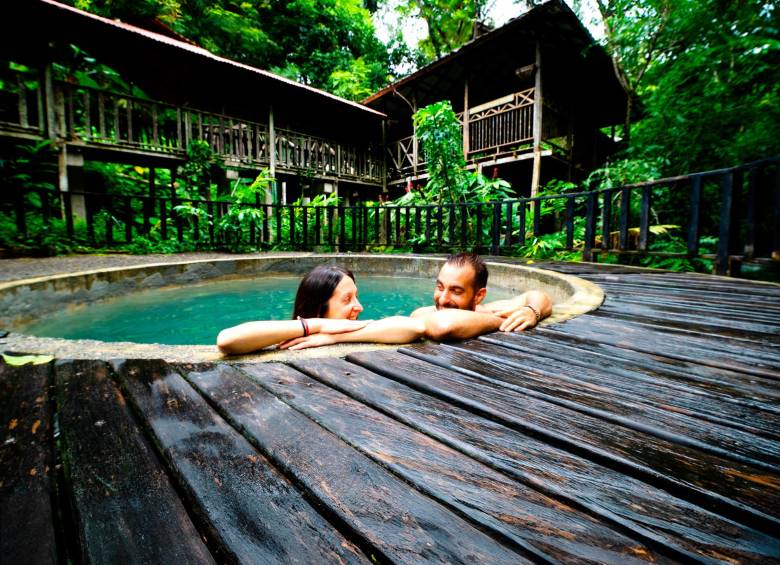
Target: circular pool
(153, 310)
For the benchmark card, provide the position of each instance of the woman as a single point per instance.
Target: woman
(326, 302)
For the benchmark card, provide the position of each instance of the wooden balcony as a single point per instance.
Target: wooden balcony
(500, 130)
(94, 119)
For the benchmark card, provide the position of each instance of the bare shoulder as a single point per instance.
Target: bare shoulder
(423, 311)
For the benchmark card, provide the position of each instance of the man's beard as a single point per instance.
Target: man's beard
(471, 306)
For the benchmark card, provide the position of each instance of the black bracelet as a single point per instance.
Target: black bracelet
(535, 311)
(304, 325)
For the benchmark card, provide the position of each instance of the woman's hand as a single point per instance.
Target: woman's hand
(335, 326)
(313, 340)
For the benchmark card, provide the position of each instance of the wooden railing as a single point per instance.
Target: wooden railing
(728, 216)
(495, 127)
(299, 151)
(21, 102)
(99, 118)
(501, 123)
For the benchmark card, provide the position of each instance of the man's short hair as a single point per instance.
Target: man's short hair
(480, 269)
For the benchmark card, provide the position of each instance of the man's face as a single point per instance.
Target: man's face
(455, 288)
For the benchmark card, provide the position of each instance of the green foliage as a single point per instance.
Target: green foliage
(705, 74)
(439, 134)
(243, 212)
(450, 23)
(199, 174)
(323, 43)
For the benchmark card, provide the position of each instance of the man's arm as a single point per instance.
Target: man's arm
(442, 325)
(516, 312)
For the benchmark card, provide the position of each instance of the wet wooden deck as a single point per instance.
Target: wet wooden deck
(646, 431)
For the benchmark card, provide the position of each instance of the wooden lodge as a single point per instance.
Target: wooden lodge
(517, 91)
(534, 98)
(312, 141)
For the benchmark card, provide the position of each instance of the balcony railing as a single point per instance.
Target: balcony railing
(98, 118)
(501, 126)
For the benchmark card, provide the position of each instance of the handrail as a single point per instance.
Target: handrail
(614, 220)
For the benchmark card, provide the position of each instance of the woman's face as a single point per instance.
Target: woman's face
(343, 304)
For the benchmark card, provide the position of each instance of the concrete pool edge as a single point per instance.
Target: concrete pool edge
(579, 296)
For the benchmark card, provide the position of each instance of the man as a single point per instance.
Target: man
(457, 312)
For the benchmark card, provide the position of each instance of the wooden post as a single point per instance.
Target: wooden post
(415, 148)
(269, 195)
(537, 121)
(384, 156)
(51, 117)
(71, 175)
(466, 138)
(724, 236)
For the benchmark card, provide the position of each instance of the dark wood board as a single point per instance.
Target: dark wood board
(730, 386)
(538, 524)
(126, 509)
(566, 385)
(385, 517)
(697, 349)
(607, 374)
(27, 531)
(666, 522)
(255, 514)
(734, 490)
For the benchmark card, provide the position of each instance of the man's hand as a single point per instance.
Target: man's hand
(314, 340)
(517, 319)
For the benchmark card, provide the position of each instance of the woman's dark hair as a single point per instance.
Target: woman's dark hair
(316, 288)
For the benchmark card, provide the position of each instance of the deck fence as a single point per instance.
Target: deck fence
(725, 215)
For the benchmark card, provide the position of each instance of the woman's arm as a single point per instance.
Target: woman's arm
(396, 329)
(442, 325)
(252, 336)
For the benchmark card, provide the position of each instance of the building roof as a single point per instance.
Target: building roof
(167, 68)
(571, 59)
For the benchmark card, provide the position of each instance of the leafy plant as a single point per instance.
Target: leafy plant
(243, 212)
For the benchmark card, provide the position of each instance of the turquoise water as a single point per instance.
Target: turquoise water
(193, 315)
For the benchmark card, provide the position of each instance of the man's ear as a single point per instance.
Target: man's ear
(480, 296)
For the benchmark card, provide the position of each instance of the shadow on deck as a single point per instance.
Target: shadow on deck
(646, 431)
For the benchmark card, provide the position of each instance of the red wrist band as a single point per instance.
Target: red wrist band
(305, 325)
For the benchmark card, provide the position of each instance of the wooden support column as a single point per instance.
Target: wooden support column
(415, 147)
(384, 155)
(537, 121)
(269, 195)
(51, 116)
(466, 137)
(71, 179)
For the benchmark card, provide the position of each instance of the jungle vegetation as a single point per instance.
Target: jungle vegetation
(702, 77)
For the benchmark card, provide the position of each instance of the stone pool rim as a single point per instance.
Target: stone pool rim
(79, 287)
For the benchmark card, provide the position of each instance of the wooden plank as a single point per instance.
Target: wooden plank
(648, 381)
(253, 511)
(473, 490)
(718, 485)
(385, 517)
(125, 507)
(693, 348)
(732, 386)
(27, 533)
(559, 384)
(667, 522)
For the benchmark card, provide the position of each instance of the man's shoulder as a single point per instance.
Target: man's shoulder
(423, 311)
